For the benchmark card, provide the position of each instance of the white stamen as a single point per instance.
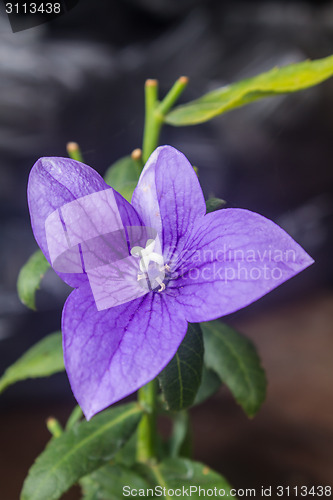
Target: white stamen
(162, 285)
(165, 268)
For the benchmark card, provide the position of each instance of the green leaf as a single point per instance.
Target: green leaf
(234, 358)
(210, 384)
(181, 473)
(181, 378)
(127, 455)
(30, 277)
(108, 482)
(41, 360)
(80, 451)
(291, 78)
(180, 443)
(214, 204)
(123, 176)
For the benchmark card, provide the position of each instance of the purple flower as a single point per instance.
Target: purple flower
(141, 272)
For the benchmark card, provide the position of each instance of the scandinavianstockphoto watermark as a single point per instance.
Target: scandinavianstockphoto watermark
(228, 254)
(238, 272)
(227, 264)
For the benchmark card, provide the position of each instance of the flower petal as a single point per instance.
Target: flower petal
(53, 184)
(168, 197)
(115, 284)
(110, 354)
(232, 258)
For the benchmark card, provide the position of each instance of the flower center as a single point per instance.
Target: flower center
(154, 274)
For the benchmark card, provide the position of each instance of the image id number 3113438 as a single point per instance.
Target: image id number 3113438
(304, 491)
(33, 8)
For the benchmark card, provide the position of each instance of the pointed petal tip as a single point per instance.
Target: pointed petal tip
(89, 414)
(91, 407)
(304, 259)
(308, 261)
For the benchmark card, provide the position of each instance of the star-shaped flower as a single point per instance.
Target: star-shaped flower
(142, 271)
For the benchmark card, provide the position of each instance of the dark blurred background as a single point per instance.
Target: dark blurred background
(80, 77)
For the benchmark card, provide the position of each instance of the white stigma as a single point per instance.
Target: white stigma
(147, 255)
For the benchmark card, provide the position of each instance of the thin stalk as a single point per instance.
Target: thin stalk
(153, 123)
(172, 96)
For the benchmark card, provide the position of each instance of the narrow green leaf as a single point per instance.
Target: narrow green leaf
(123, 176)
(182, 474)
(30, 277)
(80, 451)
(291, 78)
(210, 383)
(41, 360)
(181, 378)
(213, 204)
(234, 358)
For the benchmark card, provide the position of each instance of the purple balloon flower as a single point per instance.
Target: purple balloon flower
(142, 271)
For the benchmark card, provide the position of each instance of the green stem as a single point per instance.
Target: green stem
(153, 123)
(155, 112)
(74, 417)
(172, 96)
(146, 442)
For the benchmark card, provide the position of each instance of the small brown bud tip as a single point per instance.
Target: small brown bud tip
(51, 421)
(72, 146)
(136, 154)
(183, 80)
(151, 83)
